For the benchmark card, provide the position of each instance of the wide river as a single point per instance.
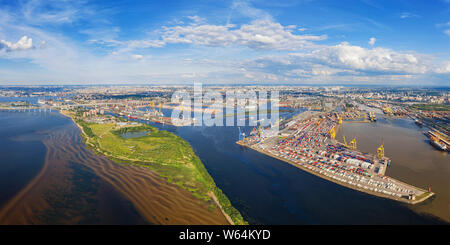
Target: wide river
(263, 189)
(269, 191)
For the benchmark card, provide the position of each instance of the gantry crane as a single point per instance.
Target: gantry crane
(152, 105)
(332, 133)
(353, 144)
(380, 150)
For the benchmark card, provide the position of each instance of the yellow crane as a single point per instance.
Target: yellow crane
(388, 110)
(380, 151)
(332, 133)
(152, 105)
(353, 144)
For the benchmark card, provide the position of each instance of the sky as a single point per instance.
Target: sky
(391, 42)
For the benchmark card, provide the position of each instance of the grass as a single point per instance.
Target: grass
(164, 152)
(430, 107)
(423, 195)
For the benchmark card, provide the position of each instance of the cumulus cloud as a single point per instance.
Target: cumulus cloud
(372, 41)
(344, 60)
(369, 60)
(23, 44)
(263, 34)
(259, 34)
(444, 68)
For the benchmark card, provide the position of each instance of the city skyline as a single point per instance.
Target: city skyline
(225, 42)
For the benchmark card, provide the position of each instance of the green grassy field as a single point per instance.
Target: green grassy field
(164, 152)
(430, 107)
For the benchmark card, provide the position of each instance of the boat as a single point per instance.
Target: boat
(418, 122)
(372, 117)
(438, 145)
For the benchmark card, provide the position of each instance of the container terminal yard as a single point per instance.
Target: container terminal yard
(308, 142)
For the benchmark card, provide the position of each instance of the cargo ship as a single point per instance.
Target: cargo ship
(437, 142)
(438, 145)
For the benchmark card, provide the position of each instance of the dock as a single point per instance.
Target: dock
(307, 145)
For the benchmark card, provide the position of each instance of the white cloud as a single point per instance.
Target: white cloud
(222, 53)
(447, 32)
(145, 44)
(196, 19)
(406, 15)
(372, 41)
(343, 60)
(55, 12)
(444, 68)
(370, 60)
(246, 9)
(259, 34)
(138, 56)
(23, 44)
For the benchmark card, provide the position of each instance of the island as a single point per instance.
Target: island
(167, 154)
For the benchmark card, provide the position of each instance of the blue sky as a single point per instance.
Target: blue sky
(242, 41)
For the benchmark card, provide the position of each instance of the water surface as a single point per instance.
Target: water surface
(268, 191)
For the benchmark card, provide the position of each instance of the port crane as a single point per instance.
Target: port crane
(353, 144)
(152, 105)
(380, 150)
(332, 133)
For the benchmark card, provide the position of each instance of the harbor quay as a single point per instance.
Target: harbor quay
(308, 142)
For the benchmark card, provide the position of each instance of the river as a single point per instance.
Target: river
(263, 189)
(268, 191)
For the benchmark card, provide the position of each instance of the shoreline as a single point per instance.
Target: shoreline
(377, 194)
(214, 198)
(86, 137)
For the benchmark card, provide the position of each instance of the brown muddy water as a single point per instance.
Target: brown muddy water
(59, 181)
(414, 160)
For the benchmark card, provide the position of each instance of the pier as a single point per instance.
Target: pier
(309, 144)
